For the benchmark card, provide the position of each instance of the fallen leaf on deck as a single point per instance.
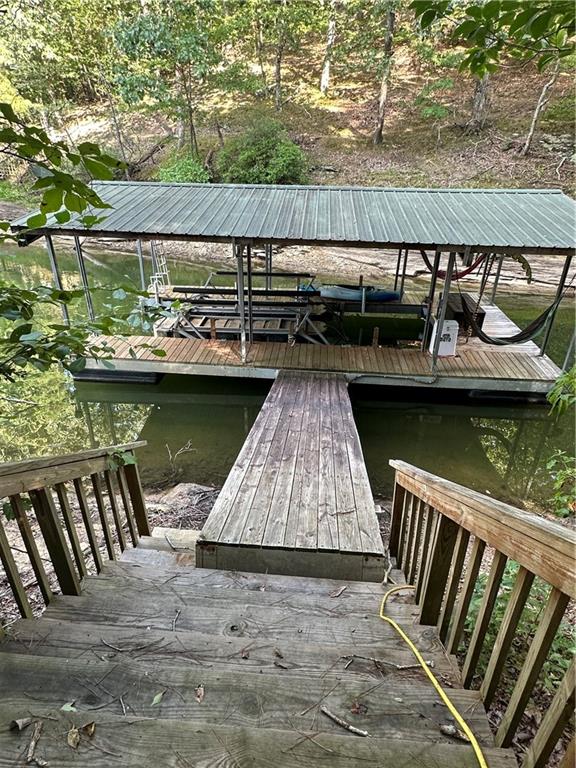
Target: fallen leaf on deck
(73, 738)
(338, 592)
(455, 733)
(158, 698)
(68, 707)
(278, 653)
(280, 665)
(199, 693)
(245, 653)
(19, 725)
(89, 729)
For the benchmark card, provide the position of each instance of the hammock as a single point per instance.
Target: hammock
(456, 275)
(528, 334)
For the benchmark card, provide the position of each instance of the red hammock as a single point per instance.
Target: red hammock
(455, 275)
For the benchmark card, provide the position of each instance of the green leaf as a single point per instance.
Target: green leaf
(76, 365)
(68, 707)
(158, 698)
(8, 113)
(97, 170)
(62, 217)
(37, 220)
(51, 200)
(74, 202)
(159, 352)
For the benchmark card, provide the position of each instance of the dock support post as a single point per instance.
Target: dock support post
(433, 281)
(397, 274)
(404, 266)
(497, 278)
(249, 288)
(56, 275)
(268, 265)
(84, 277)
(559, 293)
(442, 309)
(240, 294)
(141, 264)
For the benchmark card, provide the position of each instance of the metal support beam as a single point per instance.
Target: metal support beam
(497, 278)
(84, 277)
(397, 273)
(404, 265)
(153, 257)
(268, 265)
(433, 281)
(141, 264)
(559, 293)
(443, 304)
(240, 295)
(249, 287)
(56, 276)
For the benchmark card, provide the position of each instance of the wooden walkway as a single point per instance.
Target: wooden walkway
(161, 664)
(298, 499)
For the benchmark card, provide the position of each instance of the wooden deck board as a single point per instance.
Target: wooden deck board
(299, 483)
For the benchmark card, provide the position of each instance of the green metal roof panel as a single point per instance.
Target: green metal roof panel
(525, 219)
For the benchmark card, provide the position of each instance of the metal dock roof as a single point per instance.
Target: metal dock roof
(520, 220)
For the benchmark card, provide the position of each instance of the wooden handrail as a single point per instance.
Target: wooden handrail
(43, 462)
(544, 547)
(46, 485)
(439, 536)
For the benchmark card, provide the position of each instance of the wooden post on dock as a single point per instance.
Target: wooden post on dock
(238, 249)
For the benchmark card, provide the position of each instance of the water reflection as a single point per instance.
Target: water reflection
(195, 428)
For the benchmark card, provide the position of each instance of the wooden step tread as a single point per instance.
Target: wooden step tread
(250, 699)
(264, 582)
(222, 616)
(126, 741)
(74, 639)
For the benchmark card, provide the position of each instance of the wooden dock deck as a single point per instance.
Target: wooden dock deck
(298, 499)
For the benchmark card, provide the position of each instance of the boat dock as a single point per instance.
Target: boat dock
(298, 499)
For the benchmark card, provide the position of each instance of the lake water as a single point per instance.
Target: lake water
(195, 426)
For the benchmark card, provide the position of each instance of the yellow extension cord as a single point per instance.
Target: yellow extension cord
(441, 692)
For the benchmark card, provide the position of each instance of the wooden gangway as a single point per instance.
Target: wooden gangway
(298, 499)
(141, 659)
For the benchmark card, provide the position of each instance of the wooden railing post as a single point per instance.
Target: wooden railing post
(439, 567)
(137, 499)
(396, 521)
(556, 718)
(55, 542)
(539, 647)
(13, 576)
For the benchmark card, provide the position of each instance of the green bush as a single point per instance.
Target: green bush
(183, 168)
(262, 155)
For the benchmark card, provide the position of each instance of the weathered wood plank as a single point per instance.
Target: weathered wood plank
(174, 743)
(137, 498)
(30, 544)
(484, 615)
(68, 518)
(88, 525)
(453, 583)
(459, 618)
(56, 545)
(506, 634)
(440, 559)
(99, 496)
(13, 576)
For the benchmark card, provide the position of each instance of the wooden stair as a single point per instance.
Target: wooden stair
(178, 666)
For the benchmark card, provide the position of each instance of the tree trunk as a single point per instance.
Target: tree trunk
(540, 106)
(259, 41)
(280, 46)
(330, 39)
(387, 69)
(186, 83)
(480, 105)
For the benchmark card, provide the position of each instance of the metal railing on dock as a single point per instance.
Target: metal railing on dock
(49, 496)
(442, 536)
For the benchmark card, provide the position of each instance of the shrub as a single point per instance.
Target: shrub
(183, 168)
(262, 155)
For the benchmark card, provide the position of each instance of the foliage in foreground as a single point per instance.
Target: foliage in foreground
(262, 155)
(29, 341)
